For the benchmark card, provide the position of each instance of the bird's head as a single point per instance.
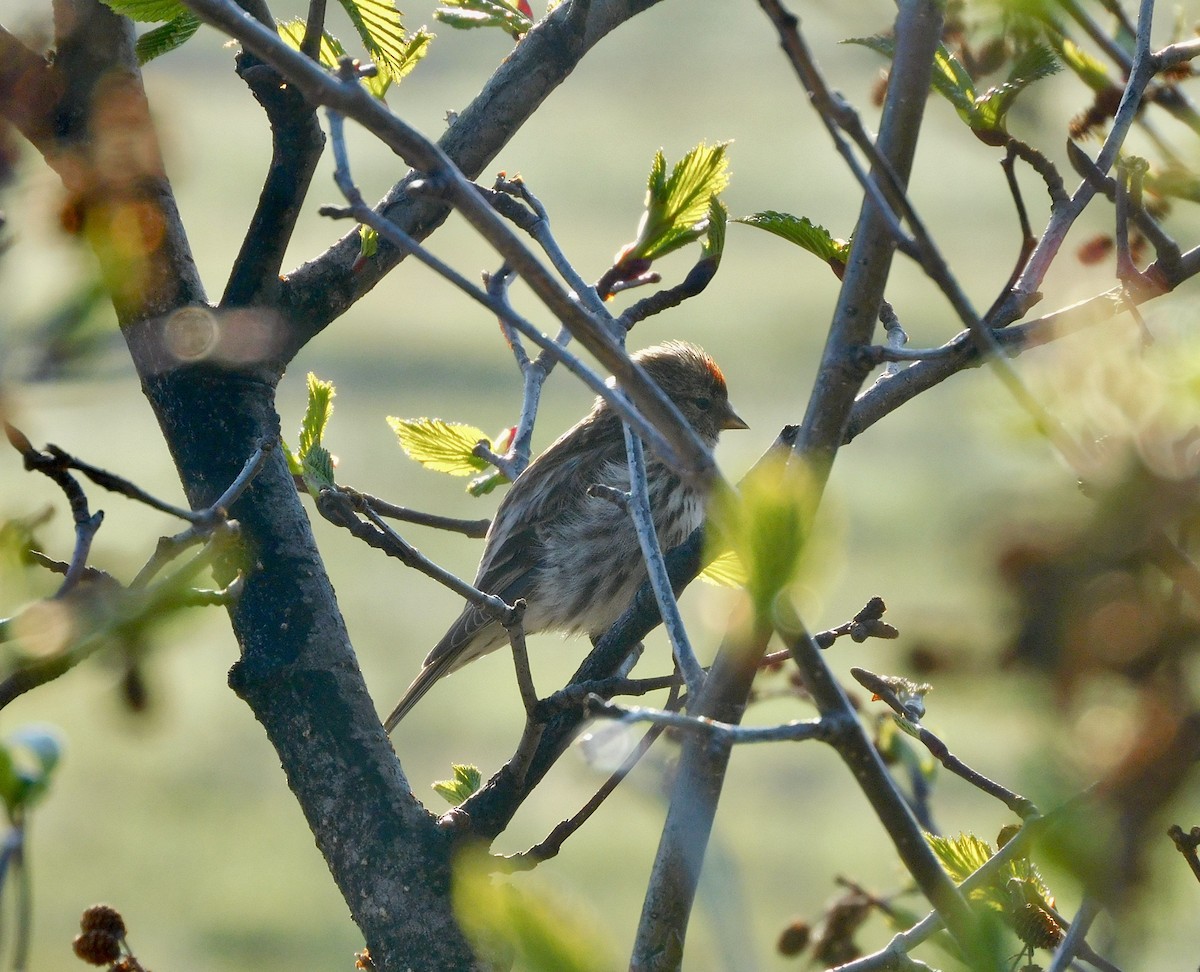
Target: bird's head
(692, 380)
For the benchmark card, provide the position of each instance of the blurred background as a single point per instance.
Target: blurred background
(178, 814)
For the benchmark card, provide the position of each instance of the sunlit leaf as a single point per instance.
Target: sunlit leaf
(802, 231)
(1034, 64)
(441, 446)
(963, 855)
(380, 27)
(725, 570)
(316, 414)
(984, 113)
(171, 35)
(368, 242)
(466, 781)
(329, 50)
(1090, 70)
(538, 933)
(148, 11)
(678, 205)
(317, 469)
(467, 14)
(767, 522)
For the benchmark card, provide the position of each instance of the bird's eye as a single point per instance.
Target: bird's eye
(704, 404)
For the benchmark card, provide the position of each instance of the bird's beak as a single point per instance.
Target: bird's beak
(732, 420)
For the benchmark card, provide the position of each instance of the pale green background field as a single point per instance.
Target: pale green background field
(182, 818)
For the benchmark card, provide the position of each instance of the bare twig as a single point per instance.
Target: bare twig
(1186, 844)
(643, 522)
(797, 731)
(1065, 954)
(1142, 69)
(882, 688)
(550, 847)
(339, 510)
(381, 507)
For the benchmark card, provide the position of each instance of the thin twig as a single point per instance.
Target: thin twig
(540, 230)
(643, 523)
(548, 848)
(1186, 844)
(1141, 71)
(797, 731)
(338, 509)
(910, 722)
(468, 528)
(1065, 954)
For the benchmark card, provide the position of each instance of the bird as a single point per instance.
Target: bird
(574, 557)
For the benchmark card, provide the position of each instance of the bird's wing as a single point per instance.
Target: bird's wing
(549, 484)
(552, 482)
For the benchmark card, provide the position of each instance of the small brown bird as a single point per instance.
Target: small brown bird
(575, 558)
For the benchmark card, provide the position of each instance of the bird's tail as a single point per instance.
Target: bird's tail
(434, 670)
(472, 635)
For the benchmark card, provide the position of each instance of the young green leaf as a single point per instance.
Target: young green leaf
(1088, 69)
(441, 446)
(466, 781)
(725, 570)
(466, 14)
(148, 11)
(984, 113)
(166, 38)
(380, 27)
(804, 233)
(368, 242)
(536, 932)
(678, 206)
(767, 522)
(992, 106)
(713, 244)
(963, 855)
(484, 484)
(316, 414)
(329, 50)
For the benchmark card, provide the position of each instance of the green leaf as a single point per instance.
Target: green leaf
(332, 50)
(1035, 63)
(714, 236)
(316, 414)
(963, 855)
(148, 11)
(679, 206)
(468, 14)
(487, 482)
(329, 51)
(381, 29)
(311, 459)
(534, 932)
(768, 523)
(1088, 69)
(803, 232)
(162, 40)
(725, 570)
(441, 446)
(983, 113)
(368, 242)
(317, 469)
(28, 759)
(466, 781)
